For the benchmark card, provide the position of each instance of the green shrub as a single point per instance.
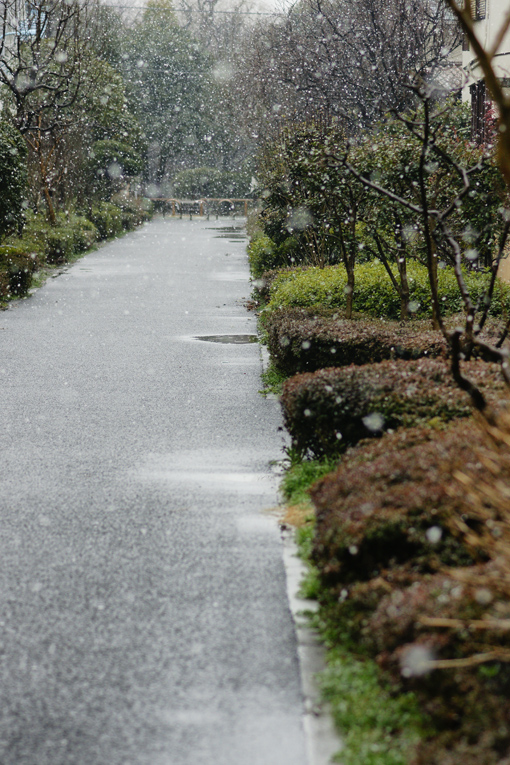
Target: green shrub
(84, 233)
(326, 410)
(16, 269)
(57, 244)
(306, 339)
(107, 218)
(269, 280)
(374, 294)
(133, 212)
(261, 255)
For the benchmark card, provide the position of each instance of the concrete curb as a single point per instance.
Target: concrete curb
(322, 740)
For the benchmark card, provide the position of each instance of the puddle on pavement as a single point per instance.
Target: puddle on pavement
(230, 276)
(228, 339)
(237, 472)
(229, 232)
(249, 484)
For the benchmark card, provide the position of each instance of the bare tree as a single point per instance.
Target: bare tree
(43, 67)
(351, 60)
(218, 29)
(439, 232)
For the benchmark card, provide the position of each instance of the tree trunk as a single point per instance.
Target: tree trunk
(49, 203)
(349, 292)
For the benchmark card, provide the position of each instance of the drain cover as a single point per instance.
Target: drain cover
(228, 339)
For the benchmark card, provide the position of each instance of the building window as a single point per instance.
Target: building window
(479, 9)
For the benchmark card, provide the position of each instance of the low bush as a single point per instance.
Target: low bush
(84, 232)
(16, 269)
(262, 255)
(324, 411)
(270, 280)
(388, 520)
(107, 218)
(56, 244)
(133, 212)
(377, 509)
(304, 340)
(374, 294)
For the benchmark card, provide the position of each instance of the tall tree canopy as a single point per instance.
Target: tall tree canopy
(167, 78)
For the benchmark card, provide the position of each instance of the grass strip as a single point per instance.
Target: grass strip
(377, 727)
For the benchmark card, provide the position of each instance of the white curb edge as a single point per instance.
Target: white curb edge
(322, 740)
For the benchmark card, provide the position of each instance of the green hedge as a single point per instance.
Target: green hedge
(56, 244)
(374, 294)
(107, 218)
(16, 269)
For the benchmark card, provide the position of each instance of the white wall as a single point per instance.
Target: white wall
(487, 30)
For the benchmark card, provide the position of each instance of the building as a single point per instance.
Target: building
(489, 16)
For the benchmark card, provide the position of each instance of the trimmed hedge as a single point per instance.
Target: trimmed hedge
(304, 340)
(261, 255)
(43, 243)
(383, 529)
(133, 212)
(374, 294)
(16, 269)
(56, 244)
(324, 411)
(375, 510)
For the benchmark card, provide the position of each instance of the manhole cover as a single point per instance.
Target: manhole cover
(228, 339)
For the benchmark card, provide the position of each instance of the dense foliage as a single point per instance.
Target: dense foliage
(410, 536)
(403, 586)
(211, 182)
(318, 211)
(13, 179)
(374, 294)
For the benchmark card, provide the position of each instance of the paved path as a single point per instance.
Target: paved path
(143, 616)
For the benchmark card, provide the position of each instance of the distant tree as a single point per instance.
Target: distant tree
(219, 30)
(167, 79)
(210, 182)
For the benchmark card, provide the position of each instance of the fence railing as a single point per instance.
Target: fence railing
(203, 207)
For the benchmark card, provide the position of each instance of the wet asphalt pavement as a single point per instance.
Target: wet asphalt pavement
(143, 615)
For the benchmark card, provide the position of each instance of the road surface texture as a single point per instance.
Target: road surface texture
(143, 615)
